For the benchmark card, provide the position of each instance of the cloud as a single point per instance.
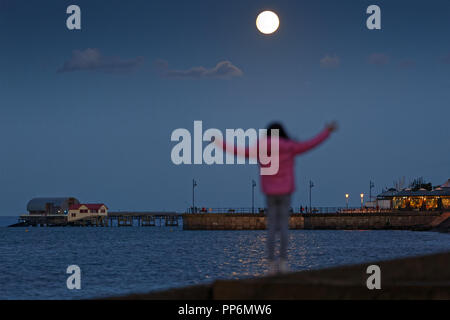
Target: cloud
(92, 60)
(379, 59)
(223, 70)
(330, 62)
(407, 64)
(446, 59)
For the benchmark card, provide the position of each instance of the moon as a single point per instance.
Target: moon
(267, 22)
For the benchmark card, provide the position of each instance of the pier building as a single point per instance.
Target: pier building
(85, 210)
(51, 206)
(419, 200)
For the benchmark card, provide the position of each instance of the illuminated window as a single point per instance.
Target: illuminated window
(446, 203)
(399, 203)
(416, 202)
(431, 203)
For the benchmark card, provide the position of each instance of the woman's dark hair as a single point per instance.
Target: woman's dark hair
(277, 126)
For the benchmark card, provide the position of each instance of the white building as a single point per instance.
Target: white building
(84, 210)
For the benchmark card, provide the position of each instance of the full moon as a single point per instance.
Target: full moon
(267, 22)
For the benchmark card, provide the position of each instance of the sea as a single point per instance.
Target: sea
(118, 261)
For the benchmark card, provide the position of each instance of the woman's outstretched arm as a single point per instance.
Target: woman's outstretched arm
(304, 146)
(247, 152)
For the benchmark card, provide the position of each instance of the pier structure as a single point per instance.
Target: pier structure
(144, 219)
(112, 219)
(341, 220)
(388, 220)
(35, 220)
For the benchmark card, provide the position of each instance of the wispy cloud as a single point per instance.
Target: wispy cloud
(446, 59)
(92, 60)
(407, 64)
(223, 70)
(379, 59)
(330, 62)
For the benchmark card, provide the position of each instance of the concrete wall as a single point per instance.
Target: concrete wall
(369, 221)
(403, 220)
(225, 221)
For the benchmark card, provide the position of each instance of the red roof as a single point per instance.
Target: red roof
(90, 206)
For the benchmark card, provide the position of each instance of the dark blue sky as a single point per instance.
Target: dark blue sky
(96, 124)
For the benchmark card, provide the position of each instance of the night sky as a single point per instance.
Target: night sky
(89, 113)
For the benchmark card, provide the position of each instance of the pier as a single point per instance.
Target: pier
(232, 220)
(380, 220)
(112, 219)
(144, 219)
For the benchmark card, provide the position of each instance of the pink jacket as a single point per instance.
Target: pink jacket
(283, 182)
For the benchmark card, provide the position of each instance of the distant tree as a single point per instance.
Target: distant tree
(420, 183)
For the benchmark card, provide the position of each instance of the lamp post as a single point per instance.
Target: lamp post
(194, 184)
(253, 195)
(362, 200)
(346, 199)
(311, 185)
(371, 186)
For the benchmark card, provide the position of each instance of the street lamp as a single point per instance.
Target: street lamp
(362, 200)
(311, 185)
(346, 199)
(371, 186)
(253, 195)
(194, 184)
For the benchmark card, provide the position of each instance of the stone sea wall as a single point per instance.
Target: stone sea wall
(369, 221)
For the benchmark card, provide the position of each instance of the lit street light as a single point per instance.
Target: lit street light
(362, 200)
(346, 199)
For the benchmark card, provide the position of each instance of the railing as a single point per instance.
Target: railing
(301, 210)
(333, 210)
(227, 210)
(296, 210)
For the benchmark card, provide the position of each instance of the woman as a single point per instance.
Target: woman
(279, 187)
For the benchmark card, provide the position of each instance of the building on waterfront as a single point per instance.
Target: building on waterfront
(51, 206)
(422, 199)
(384, 199)
(84, 210)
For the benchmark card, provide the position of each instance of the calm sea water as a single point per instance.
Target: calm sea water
(117, 261)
